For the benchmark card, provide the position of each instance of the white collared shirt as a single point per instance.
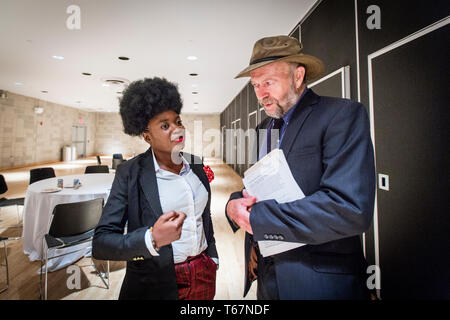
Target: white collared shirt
(186, 193)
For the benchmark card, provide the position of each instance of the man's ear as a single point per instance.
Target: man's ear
(299, 76)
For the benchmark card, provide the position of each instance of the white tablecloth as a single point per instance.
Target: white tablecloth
(38, 208)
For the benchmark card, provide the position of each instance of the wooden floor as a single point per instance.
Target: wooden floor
(23, 273)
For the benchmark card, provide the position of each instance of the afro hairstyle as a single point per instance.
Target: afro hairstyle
(143, 99)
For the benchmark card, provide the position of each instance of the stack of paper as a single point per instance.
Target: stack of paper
(271, 178)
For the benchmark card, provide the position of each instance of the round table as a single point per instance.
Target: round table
(39, 205)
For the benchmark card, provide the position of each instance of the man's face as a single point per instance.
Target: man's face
(165, 132)
(275, 88)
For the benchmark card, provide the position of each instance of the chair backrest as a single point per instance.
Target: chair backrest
(3, 186)
(116, 162)
(41, 174)
(75, 218)
(97, 169)
(99, 161)
(117, 156)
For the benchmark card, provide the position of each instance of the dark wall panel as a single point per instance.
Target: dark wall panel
(399, 19)
(332, 87)
(411, 120)
(329, 34)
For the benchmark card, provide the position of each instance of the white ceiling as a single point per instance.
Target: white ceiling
(157, 36)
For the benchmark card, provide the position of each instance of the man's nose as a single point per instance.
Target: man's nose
(261, 93)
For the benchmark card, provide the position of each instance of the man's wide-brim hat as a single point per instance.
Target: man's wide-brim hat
(282, 48)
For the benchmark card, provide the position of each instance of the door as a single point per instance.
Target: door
(79, 140)
(410, 116)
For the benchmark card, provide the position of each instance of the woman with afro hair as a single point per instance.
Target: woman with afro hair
(164, 196)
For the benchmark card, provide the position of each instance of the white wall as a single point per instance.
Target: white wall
(28, 138)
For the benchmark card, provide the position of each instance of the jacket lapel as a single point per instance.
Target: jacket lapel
(298, 118)
(198, 170)
(149, 185)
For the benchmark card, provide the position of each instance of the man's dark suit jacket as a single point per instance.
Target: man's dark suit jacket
(134, 198)
(328, 148)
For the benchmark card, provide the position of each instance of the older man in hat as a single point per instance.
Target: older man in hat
(329, 151)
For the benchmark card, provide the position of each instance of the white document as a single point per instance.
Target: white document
(271, 178)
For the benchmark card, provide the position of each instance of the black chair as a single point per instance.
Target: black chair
(117, 156)
(3, 239)
(72, 224)
(97, 169)
(5, 202)
(41, 174)
(99, 161)
(116, 162)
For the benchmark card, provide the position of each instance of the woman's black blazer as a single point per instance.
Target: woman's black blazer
(134, 199)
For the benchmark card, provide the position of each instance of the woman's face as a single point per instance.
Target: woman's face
(165, 132)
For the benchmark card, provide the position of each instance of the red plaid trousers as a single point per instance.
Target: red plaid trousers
(196, 278)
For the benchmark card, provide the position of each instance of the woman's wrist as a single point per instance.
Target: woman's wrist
(154, 241)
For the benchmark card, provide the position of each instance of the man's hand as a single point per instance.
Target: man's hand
(247, 196)
(167, 228)
(239, 211)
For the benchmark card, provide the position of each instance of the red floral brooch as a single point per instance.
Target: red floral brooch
(209, 173)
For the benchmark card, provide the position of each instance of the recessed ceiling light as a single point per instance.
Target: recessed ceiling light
(44, 91)
(86, 74)
(193, 74)
(191, 58)
(195, 102)
(194, 92)
(58, 57)
(124, 58)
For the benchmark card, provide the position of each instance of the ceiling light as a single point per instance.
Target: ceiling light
(86, 74)
(44, 91)
(193, 74)
(18, 83)
(124, 58)
(192, 58)
(194, 92)
(58, 57)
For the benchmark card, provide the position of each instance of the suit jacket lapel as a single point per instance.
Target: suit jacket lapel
(149, 185)
(298, 118)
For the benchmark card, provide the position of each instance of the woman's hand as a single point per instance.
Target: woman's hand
(167, 228)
